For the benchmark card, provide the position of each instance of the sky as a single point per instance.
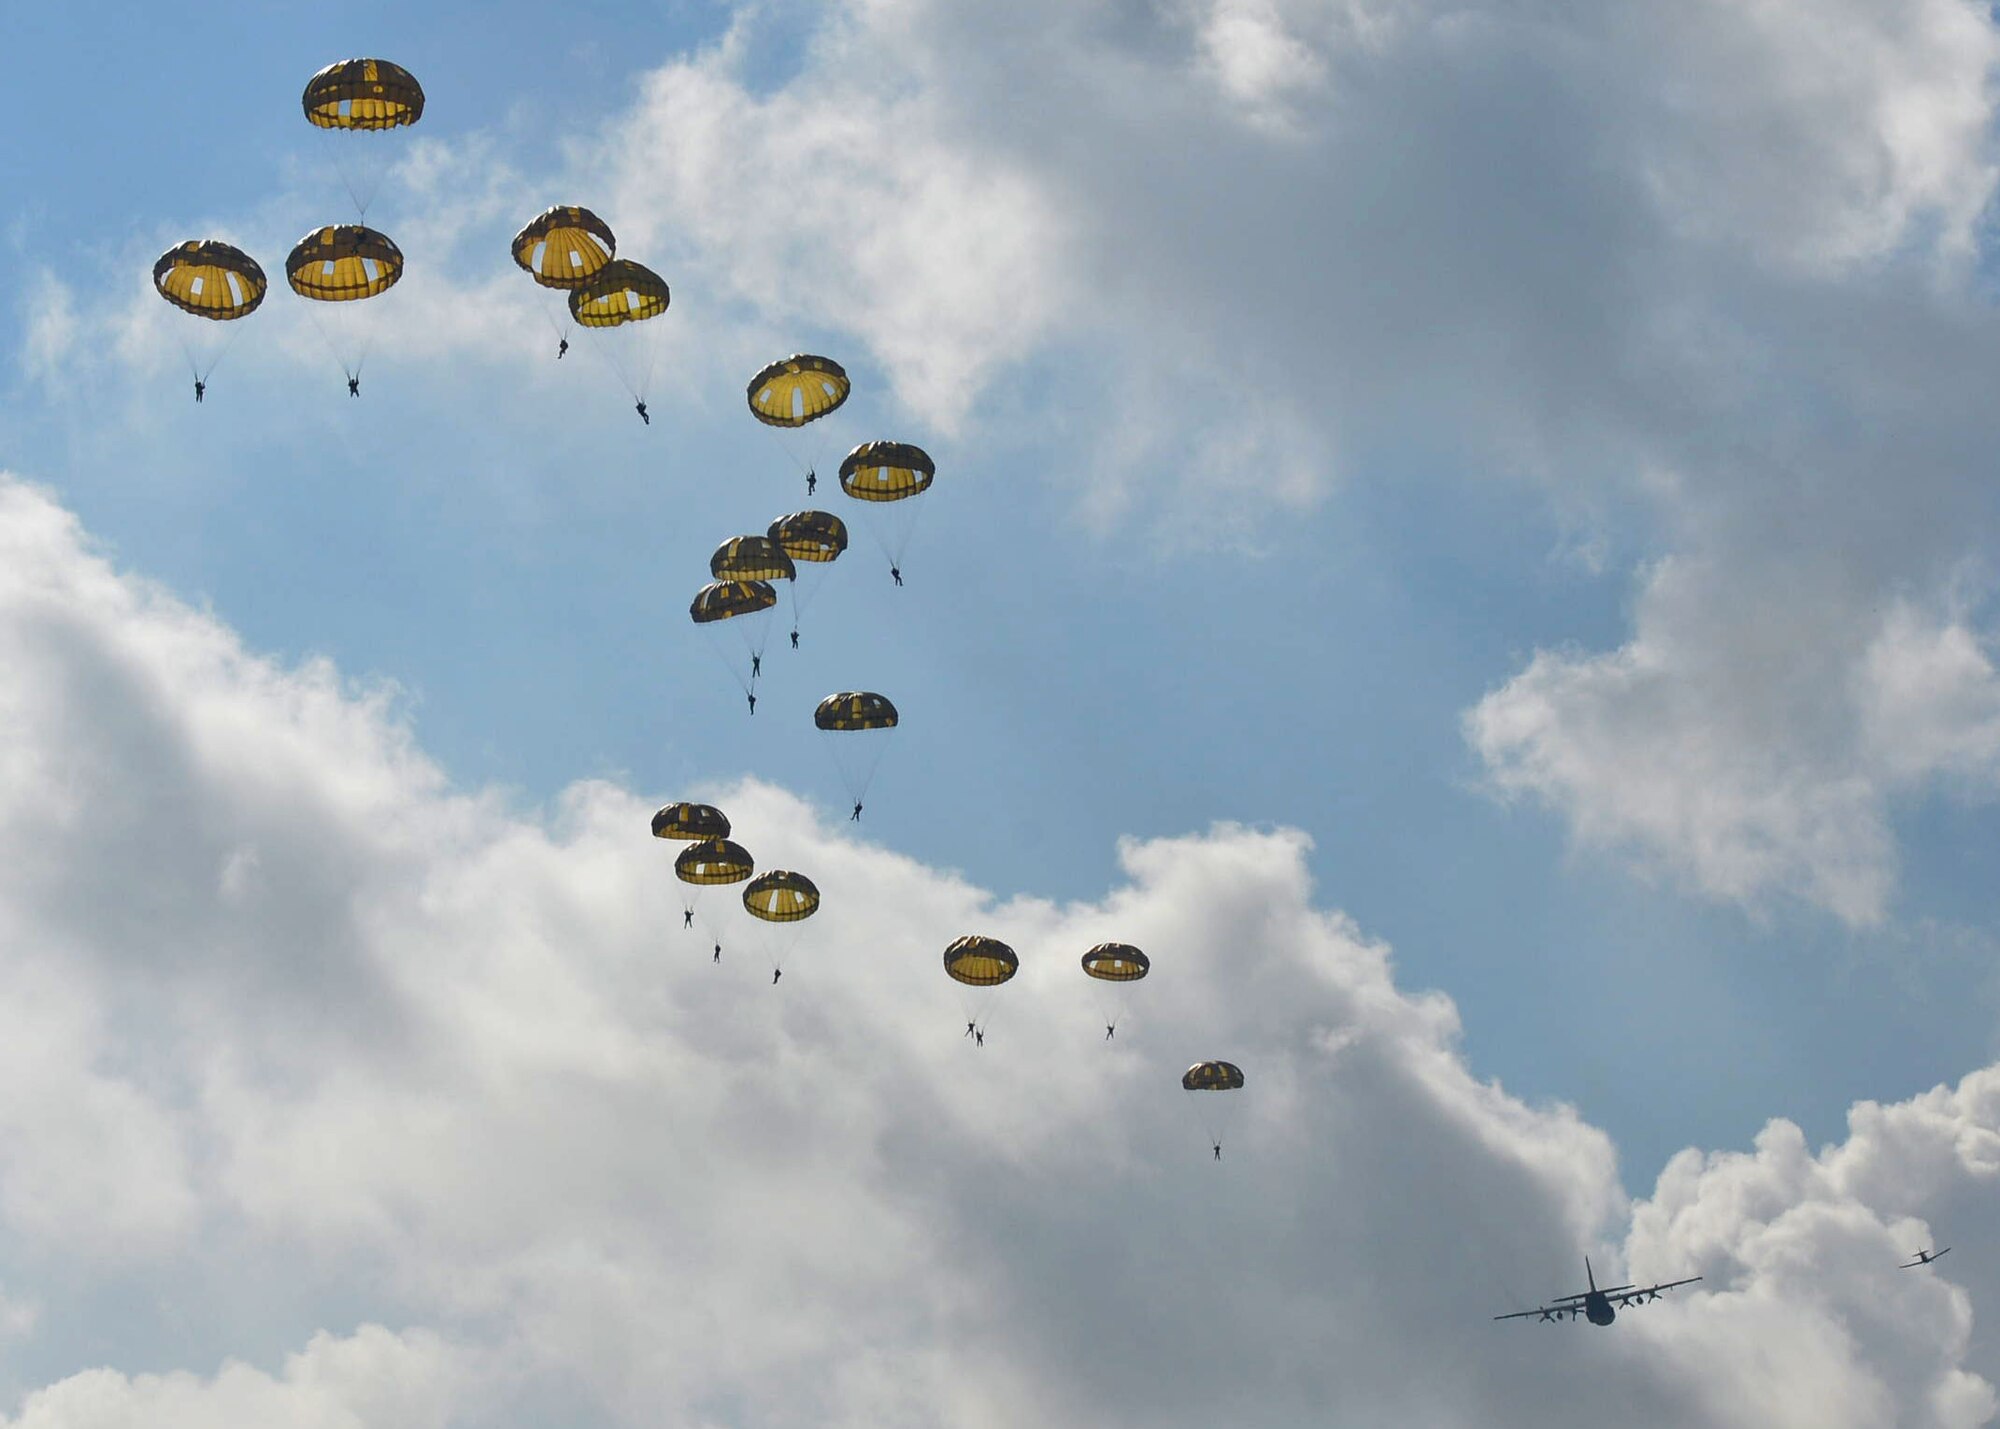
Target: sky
(1465, 530)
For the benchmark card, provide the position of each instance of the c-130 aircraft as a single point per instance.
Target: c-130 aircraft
(1595, 1305)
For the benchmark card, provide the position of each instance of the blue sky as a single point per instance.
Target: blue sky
(1408, 376)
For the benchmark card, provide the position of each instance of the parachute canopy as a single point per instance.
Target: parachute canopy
(690, 821)
(794, 390)
(1116, 962)
(342, 263)
(564, 247)
(856, 709)
(1212, 1077)
(781, 896)
(714, 861)
(980, 961)
(620, 292)
(886, 471)
(210, 279)
(814, 536)
(363, 94)
(724, 600)
(751, 558)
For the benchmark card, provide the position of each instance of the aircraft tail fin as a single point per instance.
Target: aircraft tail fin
(1590, 1275)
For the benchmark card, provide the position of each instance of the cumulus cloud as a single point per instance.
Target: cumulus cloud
(399, 1055)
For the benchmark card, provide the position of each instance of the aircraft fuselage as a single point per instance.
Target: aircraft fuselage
(1597, 1309)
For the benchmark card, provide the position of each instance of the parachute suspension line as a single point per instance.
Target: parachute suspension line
(187, 351)
(894, 544)
(327, 338)
(351, 370)
(360, 197)
(715, 644)
(777, 434)
(228, 341)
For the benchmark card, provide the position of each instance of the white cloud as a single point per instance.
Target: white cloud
(371, 1378)
(406, 1056)
(1755, 736)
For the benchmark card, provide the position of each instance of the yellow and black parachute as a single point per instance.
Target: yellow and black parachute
(353, 102)
(690, 821)
(814, 540)
(841, 718)
(744, 608)
(797, 389)
(363, 94)
(781, 896)
(621, 304)
(1116, 962)
(338, 265)
(817, 537)
(1216, 1115)
(343, 263)
(620, 292)
(210, 279)
(564, 247)
(714, 861)
(751, 558)
(213, 280)
(1213, 1077)
(851, 710)
(979, 961)
(726, 600)
(708, 864)
(886, 471)
(888, 477)
(780, 901)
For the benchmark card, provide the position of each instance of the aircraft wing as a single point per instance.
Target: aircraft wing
(1632, 1294)
(1925, 1259)
(1547, 1312)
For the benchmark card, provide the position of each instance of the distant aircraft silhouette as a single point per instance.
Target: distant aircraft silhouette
(1595, 1305)
(1925, 1257)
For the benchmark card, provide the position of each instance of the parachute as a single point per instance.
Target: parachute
(781, 896)
(1116, 962)
(741, 606)
(889, 476)
(355, 101)
(842, 716)
(709, 864)
(797, 389)
(1215, 1115)
(979, 964)
(214, 280)
(979, 961)
(1108, 965)
(1212, 1077)
(363, 94)
(562, 248)
(794, 392)
(855, 710)
(780, 901)
(341, 264)
(713, 861)
(751, 558)
(690, 821)
(817, 537)
(618, 304)
(813, 539)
